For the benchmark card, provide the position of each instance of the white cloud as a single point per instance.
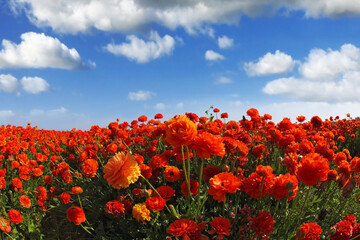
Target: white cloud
(225, 42)
(159, 106)
(9, 84)
(223, 80)
(213, 56)
(5, 114)
(180, 105)
(144, 51)
(140, 95)
(34, 85)
(277, 63)
(194, 16)
(37, 50)
(330, 76)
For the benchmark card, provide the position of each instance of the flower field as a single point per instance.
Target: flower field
(188, 177)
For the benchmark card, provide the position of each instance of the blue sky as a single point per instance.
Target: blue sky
(72, 64)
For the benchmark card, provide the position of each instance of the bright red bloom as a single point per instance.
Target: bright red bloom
(115, 208)
(313, 168)
(263, 176)
(300, 118)
(262, 224)
(285, 186)
(194, 188)
(65, 198)
(2, 183)
(344, 231)
(316, 122)
(259, 150)
(221, 226)
(308, 231)
(16, 184)
(182, 228)
(25, 201)
(158, 116)
(76, 190)
(15, 216)
(41, 193)
(210, 171)
(158, 161)
(75, 215)
(206, 144)
(155, 203)
(224, 115)
(223, 183)
(142, 118)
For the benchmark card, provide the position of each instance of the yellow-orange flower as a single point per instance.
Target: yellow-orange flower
(180, 131)
(121, 170)
(141, 213)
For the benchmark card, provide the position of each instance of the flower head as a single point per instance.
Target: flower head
(75, 215)
(221, 226)
(308, 231)
(141, 213)
(223, 183)
(121, 170)
(180, 131)
(313, 168)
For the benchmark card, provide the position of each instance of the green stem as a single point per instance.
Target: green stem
(306, 197)
(188, 168)
(261, 189)
(200, 181)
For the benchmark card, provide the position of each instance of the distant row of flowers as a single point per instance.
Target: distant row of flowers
(188, 177)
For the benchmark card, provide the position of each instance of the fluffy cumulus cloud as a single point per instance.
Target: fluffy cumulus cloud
(143, 51)
(9, 84)
(140, 95)
(330, 76)
(34, 85)
(210, 55)
(276, 63)
(36, 50)
(225, 42)
(193, 15)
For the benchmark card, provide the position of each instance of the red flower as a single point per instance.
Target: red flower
(172, 174)
(259, 150)
(16, 184)
(65, 198)
(285, 186)
(224, 115)
(76, 190)
(216, 110)
(75, 215)
(263, 176)
(308, 231)
(115, 208)
(210, 171)
(344, 231)
(313, 168)
(221, 226)
(142, 118)
(15, 216)
(182, 228)
(262, 224)
(155, 203)
(194, 188)
(89, 167)
(25, 201)
(2, 183)
(158, 116)
(223, 183)
(166, 192)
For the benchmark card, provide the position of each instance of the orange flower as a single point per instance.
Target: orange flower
(76, 190)
(5, 225)
(25, 201)
(180, 131)
(172, 174)
(182, 228)
(313, 168)
(121, 170)
(141, 213)
(75, 215)
(207, 144)
(221, 226)
(308, 231)
(223, 183)
(89, 167)
(155, 203)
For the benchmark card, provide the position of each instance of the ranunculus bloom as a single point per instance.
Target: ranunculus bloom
(89, 167)
(223, 183)
(262, 224)
(182, 228)
(172, 173)
(4, 225)
(263, 176)
(65, 198)
(313, 168)
(115, 208)
(221, 226)
(155, 203)
(285, 186)
(15, 216)
(141, 213)
(180, 131)
(308, 231)
(76, 190)
(206, 144)
(194, 188)
(75, 215)
(25, 201)
(121, 170)
(166, 192)
(344, 230)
